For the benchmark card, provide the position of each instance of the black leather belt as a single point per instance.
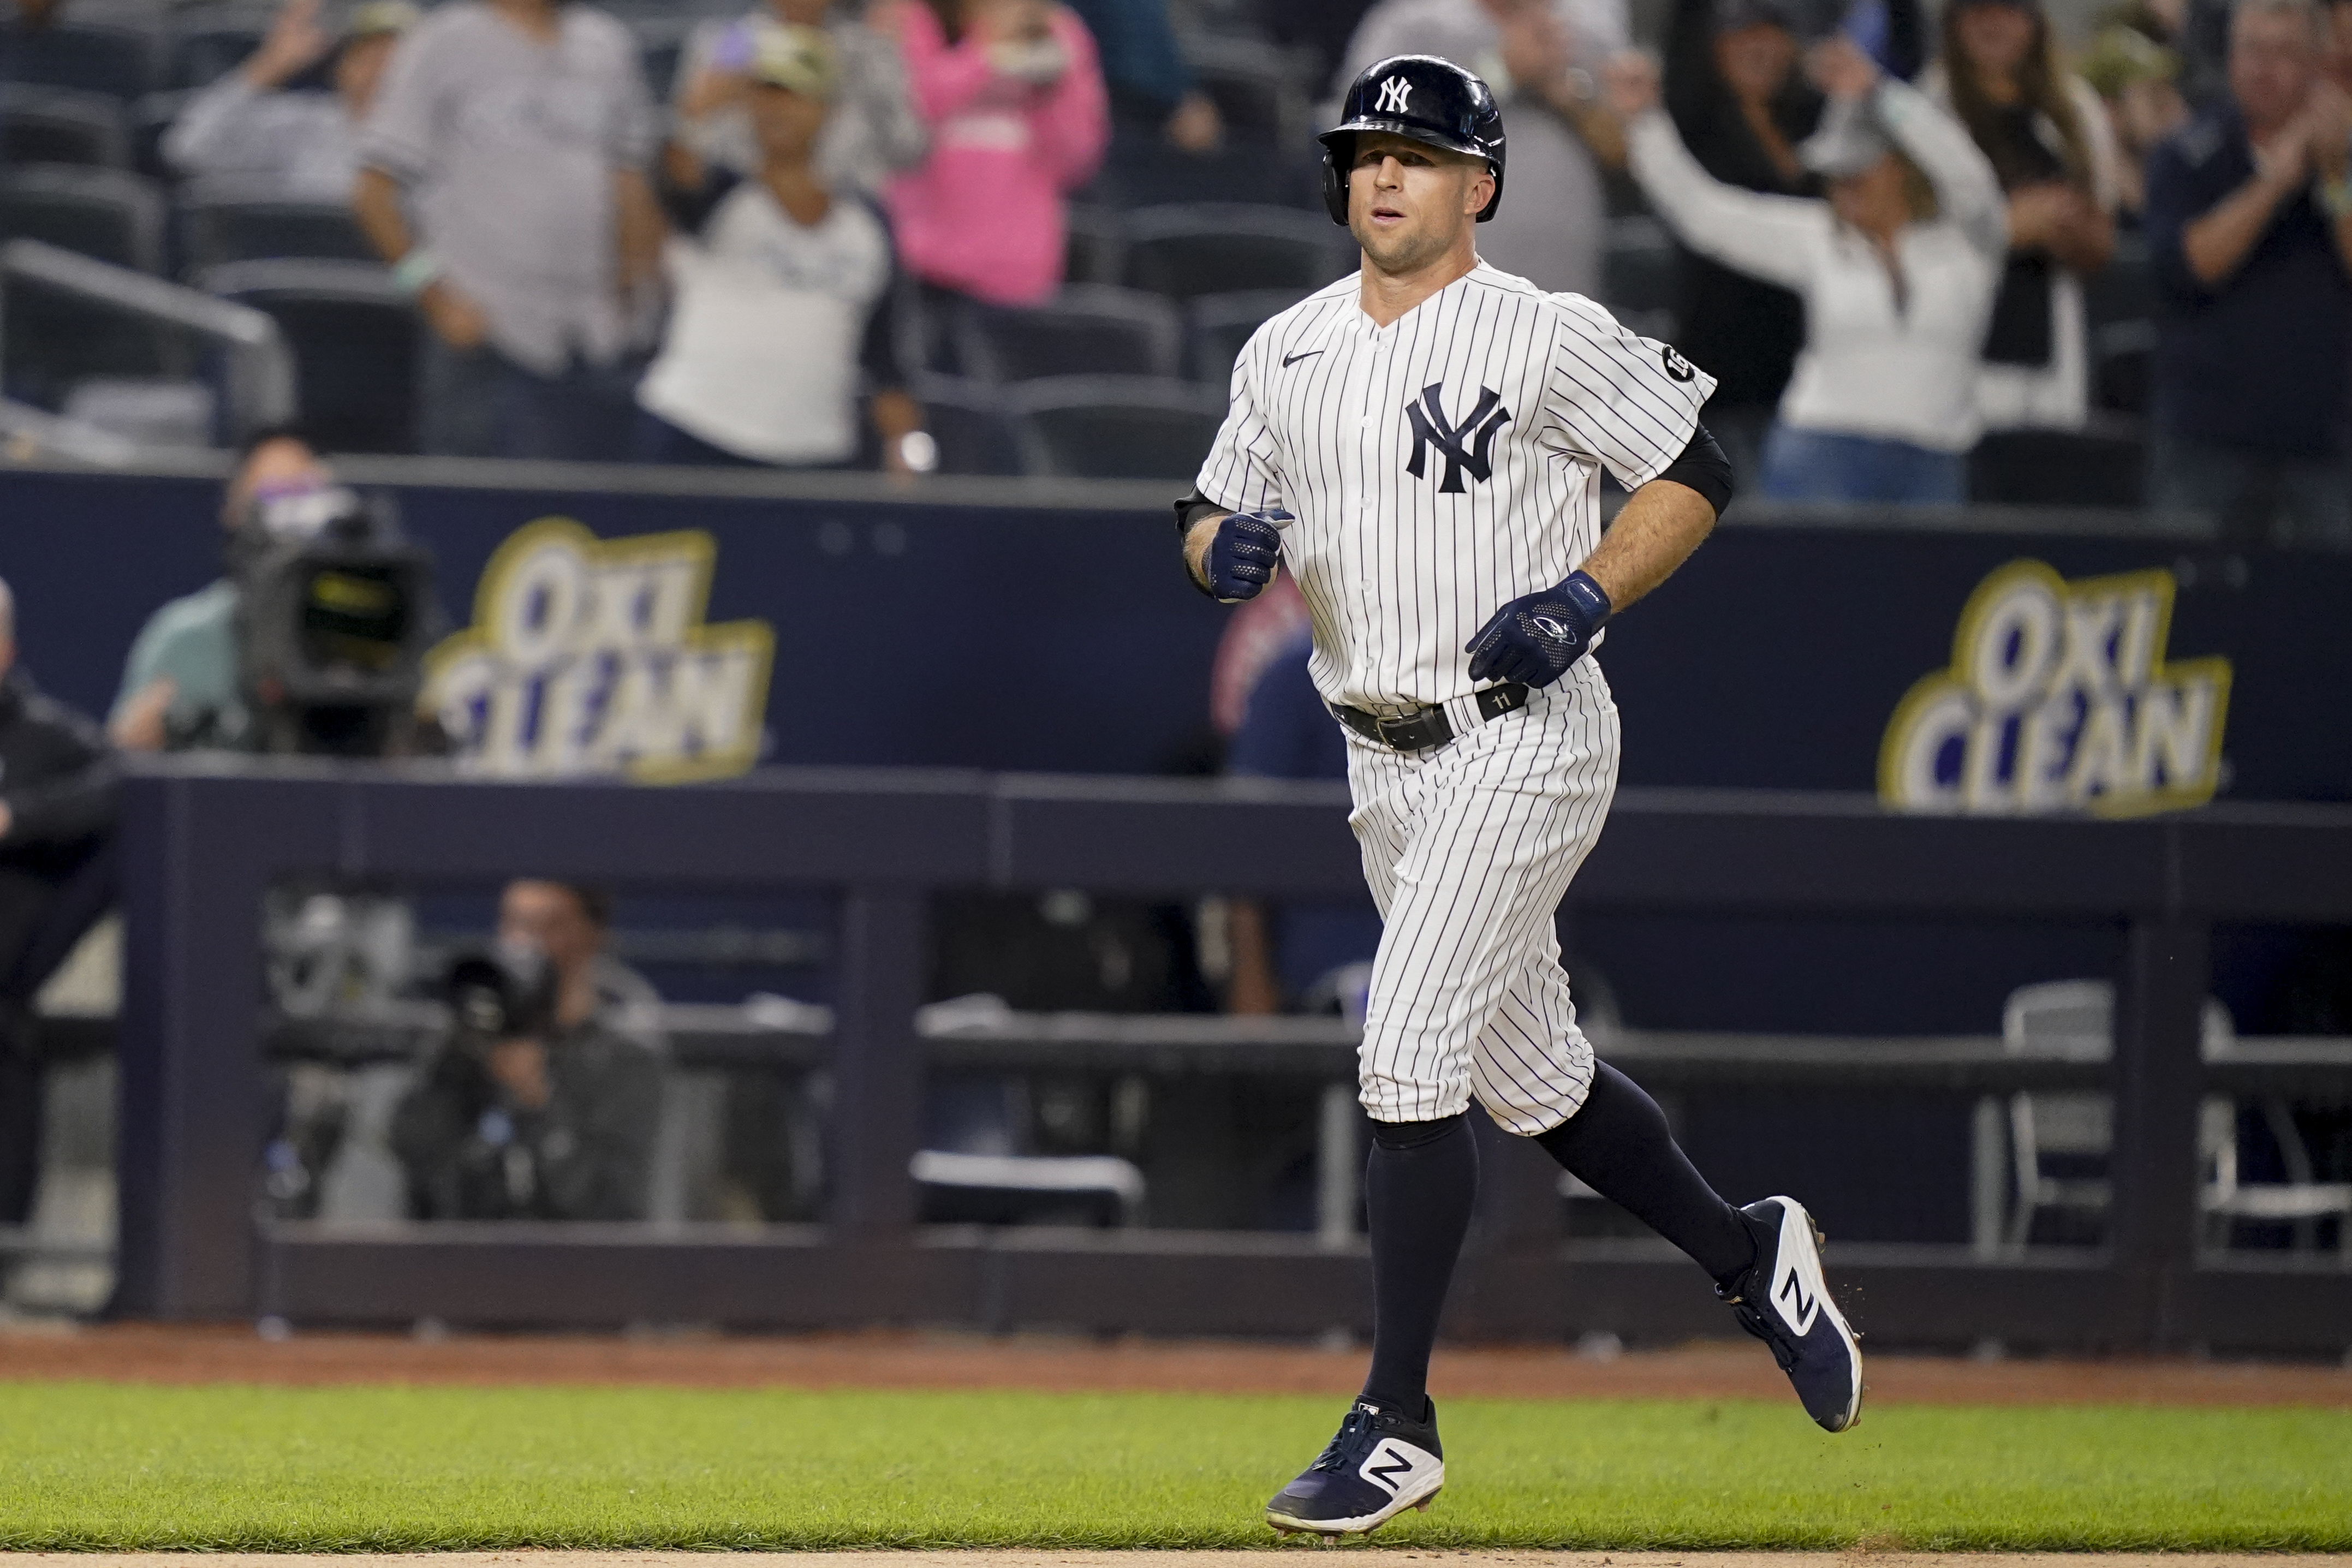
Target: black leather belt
(1424, 727)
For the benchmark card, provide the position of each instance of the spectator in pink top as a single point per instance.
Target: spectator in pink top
(1018, 115)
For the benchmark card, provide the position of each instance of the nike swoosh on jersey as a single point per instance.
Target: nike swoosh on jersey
(1290, 359)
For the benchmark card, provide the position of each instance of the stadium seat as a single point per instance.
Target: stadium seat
(968, 420)
(1640, 275)
(1088, 329)
(1097, 245)
(1115, 427)
(1027, 1189)
(119, 61)
(202, 55)
(1141, 170)
(1217, 325)
(61, 125)
(354, 339)
(2102, 466)
(109, 213)
(1218, 249)
(221, 223)
(2122, 355)
(149, 120)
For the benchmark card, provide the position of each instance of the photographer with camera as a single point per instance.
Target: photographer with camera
(518, 1117)
(314, 639)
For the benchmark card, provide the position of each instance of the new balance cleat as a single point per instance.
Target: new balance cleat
(1784, 1300)
(1380, 1464)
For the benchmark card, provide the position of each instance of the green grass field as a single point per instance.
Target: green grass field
(110, 1465)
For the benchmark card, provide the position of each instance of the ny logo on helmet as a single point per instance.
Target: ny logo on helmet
(1466, 447)
(1393, 92)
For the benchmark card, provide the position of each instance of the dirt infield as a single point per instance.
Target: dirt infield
(1362, 1556)
(142, 1353)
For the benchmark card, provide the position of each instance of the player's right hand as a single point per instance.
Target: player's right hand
(1244, 554)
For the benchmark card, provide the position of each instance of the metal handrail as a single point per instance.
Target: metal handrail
(261, 389)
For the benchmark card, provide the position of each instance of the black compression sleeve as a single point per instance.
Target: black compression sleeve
(1705, 468)
(1191, 508)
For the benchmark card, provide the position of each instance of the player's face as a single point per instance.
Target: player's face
(1409, 203)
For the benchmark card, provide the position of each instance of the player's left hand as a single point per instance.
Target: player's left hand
(1535, 637)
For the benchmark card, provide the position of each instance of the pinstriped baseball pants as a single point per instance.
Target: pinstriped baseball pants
(1469, 849)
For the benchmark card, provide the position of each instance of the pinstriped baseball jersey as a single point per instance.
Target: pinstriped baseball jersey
(1441, 466)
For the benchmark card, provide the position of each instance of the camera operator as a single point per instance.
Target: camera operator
(56, 818)
(517, 1116)
(313, 641)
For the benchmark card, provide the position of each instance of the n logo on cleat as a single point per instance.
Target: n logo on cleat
(1801, 1307)
(1386, 1461)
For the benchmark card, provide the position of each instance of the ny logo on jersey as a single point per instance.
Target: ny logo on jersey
(1393, 92)
(1466, 447)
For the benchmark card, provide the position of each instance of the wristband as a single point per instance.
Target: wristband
(417, 271)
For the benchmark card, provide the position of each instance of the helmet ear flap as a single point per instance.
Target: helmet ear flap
(1494, 200)
(1335, 182)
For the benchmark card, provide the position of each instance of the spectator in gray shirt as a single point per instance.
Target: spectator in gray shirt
(303, 145)
(520, 130)
(872, 133)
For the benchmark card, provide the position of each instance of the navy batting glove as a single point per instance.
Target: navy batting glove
(1537, 637)
(1243, 555)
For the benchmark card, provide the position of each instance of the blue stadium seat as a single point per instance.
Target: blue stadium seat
(355, 338)
(123, 62)
(221, 221)
(968, 420)
(201, 56)
(1088, 329)
(1115, 427)
(1220, 248)
(61, 125)
(1097, 245)
(1640, 275)
(1217, 325)
(109, 213)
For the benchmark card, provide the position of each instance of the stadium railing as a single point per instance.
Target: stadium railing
(206, 840)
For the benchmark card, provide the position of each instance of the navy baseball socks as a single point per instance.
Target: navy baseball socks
(1765, 1258)
(1419, 1183)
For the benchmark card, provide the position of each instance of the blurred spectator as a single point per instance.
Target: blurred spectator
(520, 130)
(300, 144)
(2338, 63)
(873, 133)
(779, 286)
(1898, 269)
(1015, 102)
(2137, 82)
(182, 687)
(2196, 33)
(1541, 58)
(1741, 105)
(1150, 82)
(2250, 230)
(520, 1115)
(2046, 135)
(1312, 957)
(572, 923)
(56, 817)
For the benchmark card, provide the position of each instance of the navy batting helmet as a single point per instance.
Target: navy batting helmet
(1425, 100)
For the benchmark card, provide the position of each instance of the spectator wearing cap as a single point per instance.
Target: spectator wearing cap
(782, 321)
(2138, 83)
(257, 125)
(1019, 115)
(519, 132)
(2046, 135)
(1540, 57)
(1742, 106)
(2250, 230)
(1898, 270)
(871, 133)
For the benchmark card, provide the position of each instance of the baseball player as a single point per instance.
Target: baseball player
(1420, 446)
